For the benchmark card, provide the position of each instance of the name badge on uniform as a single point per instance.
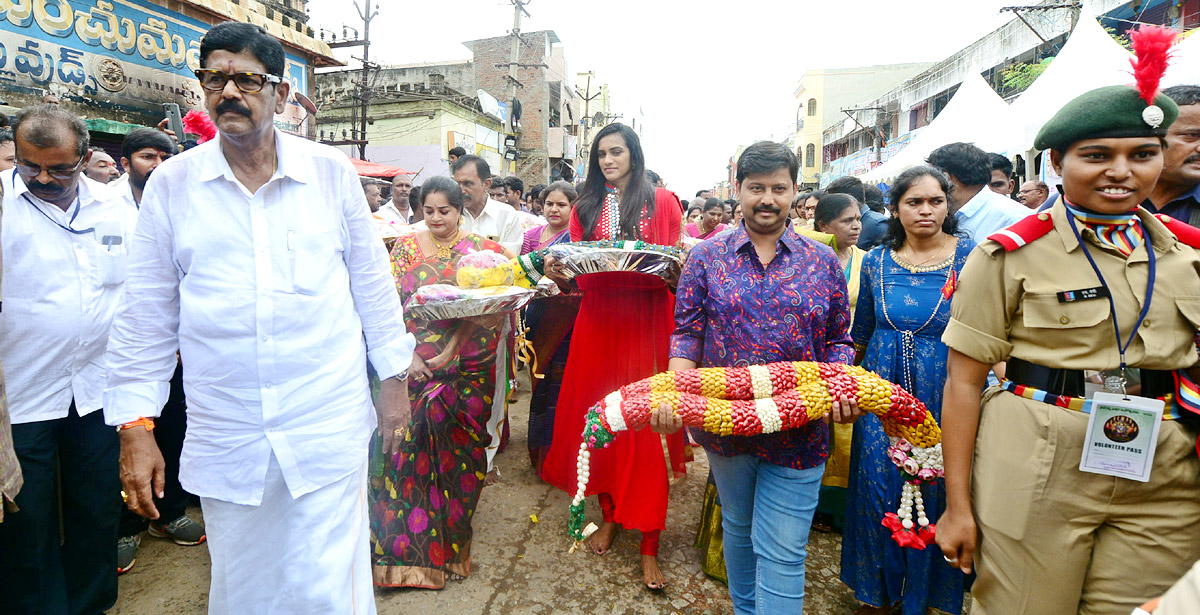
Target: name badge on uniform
(1122, 434)
(1083, 294)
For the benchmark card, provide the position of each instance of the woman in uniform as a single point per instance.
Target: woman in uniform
(1095, 283)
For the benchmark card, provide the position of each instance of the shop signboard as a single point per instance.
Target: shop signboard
(120, 56)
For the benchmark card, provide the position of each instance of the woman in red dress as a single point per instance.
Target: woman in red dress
(621, 335)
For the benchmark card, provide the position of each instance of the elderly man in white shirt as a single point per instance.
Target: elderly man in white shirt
(499, 222)
(256, 257)
(64, 245)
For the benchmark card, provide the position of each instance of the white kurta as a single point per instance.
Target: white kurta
(275, 301)
(61, 291)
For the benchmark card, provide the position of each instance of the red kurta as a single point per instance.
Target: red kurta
(621, 335)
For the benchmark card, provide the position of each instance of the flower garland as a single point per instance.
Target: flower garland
(764, 399)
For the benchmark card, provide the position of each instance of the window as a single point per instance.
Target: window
(810, 155)
(812, 107)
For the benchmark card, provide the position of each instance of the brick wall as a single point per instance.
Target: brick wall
(534, 94)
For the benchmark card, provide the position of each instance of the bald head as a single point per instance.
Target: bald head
(46, 126)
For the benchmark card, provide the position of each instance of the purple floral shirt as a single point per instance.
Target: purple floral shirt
(730, 311)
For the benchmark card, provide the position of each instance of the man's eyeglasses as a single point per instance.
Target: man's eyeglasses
(250, 83)
(1029, 191)
(32, 171)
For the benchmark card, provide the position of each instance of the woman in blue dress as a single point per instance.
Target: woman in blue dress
(903, 307)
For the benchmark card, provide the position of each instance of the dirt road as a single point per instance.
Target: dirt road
(519, 566)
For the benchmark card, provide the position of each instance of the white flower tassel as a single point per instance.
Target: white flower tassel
(582, 472)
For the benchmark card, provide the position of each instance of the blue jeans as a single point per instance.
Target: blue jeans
(766, 514)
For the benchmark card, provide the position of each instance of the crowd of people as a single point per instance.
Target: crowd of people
(337, 443)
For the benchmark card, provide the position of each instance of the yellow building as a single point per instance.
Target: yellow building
(822, 93)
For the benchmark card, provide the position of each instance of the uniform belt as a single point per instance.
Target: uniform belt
(1070, 382)
(1079, 404)
(1065, 387)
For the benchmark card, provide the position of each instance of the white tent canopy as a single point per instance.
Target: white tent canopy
(1089, 59)
(1185, 63)
(975, 114)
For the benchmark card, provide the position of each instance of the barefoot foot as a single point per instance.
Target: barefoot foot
(601, 540)
(492, 477)
(652, 575)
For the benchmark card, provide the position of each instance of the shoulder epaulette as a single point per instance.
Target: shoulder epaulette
(1023, 232)
(1184, 232)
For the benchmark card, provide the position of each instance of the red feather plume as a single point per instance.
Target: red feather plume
(198, 123)
(1152, 46)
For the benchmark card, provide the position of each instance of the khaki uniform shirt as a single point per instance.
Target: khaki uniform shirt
(10, 469)
(1007, 305)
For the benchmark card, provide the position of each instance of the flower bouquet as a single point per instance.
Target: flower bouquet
(485, 287)
(763, 399)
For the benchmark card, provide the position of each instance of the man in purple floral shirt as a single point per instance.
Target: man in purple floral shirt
(760, 293)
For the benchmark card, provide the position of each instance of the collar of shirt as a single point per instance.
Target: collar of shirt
(1162, 239)
(213, 164)
(739, 239)
(973, 206)
(1183, 199)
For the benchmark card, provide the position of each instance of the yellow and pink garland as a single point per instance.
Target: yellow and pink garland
(763, 399)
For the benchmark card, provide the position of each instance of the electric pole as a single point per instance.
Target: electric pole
(513, 62)
(587, 97)
(364, 85)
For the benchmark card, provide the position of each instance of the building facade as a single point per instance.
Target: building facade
(116, 63)
(542, 97)
(850, 147)
(822, 94)
(415, 117)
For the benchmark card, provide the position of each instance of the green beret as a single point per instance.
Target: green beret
(1113, 111)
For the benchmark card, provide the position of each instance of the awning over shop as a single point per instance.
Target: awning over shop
(112, 127)
(975, 114)
(367, 168)
(1089, 59)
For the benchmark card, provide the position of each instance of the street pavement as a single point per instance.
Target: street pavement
(519, 565)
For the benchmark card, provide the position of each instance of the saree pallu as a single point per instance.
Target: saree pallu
(549, 321)
(832, 499)
(422, 505)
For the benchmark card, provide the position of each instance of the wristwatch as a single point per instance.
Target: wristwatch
(402, 376)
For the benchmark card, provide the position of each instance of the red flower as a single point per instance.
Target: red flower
(907, 538)
(437, 556)
(892, 522)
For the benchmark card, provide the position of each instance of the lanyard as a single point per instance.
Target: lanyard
(1121, 347)
(70, 222)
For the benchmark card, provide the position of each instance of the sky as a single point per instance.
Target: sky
(707, 76)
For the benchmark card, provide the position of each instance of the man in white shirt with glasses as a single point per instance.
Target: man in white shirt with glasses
(64, 244)
(257, 258)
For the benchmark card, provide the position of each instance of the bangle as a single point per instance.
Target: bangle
(141, 421)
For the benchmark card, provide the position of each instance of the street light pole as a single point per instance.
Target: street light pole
(365, 86)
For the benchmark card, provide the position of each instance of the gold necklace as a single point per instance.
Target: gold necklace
(936, 253)
(444, 251)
